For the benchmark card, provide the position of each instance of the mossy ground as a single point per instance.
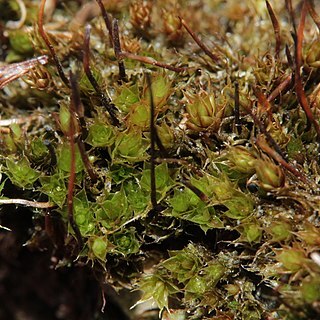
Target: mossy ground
(180, 160)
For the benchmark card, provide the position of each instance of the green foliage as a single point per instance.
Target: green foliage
(55, 188)
(114, 210)
(138, 198)
(125, 242)
(292, 259)
(161, 90)
(129, 146)
(20, 42)
(163, 180)
(20, 172)
(188, 206)
(310, 289)
(83, 214)
(128, 96)
(64, 159)
(99, 247)
(156, 288)
(38, 150)
(100, 135)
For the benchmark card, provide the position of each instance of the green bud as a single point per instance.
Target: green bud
(183, 264)
(292, 258)
(126, 243)
(100, 135)
(128, 96)
(55, 188)
(269, 174)
(38, 150)
(161, 90)
(310, 234)
(204, 113)
(99, 248)
(163, 179)
(20, 42)
(213, 273)
(166, 135)
(220, 188)
(240, 207)
(242, 160)
(197, 285)
(16, 131)
(279, 230)
(9, 143)
(137, 198)
(140, 115)
(130, 145)
(82, 214)
(310, 289)
(64, 159)
(313, 55)
(115, 207)
(154, 287)
(252, 232)
(85, 84)
(65, 118)
(180, 202)
(20, 173)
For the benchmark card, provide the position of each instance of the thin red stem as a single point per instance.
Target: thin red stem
(276, 28)
(106, 102)
(151, 61)
(205, 49)
(50, 46)
(301, 95)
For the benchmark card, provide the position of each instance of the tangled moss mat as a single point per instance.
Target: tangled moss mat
(165, 147)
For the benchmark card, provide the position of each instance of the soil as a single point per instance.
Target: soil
(31, 288)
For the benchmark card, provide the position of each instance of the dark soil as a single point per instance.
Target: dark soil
(31, 288)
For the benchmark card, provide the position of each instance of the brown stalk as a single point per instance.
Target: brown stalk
(153, 194)
(237, 108)
(206, 50)
(106, 102)
(276, 28)
(289, 57)
(315, 17)
(72, 177)
(301, 95)
(107, 21)
(151, 61)
(161, 147)
(195, 190)
(281, 88)
(78, 107)
(263, 130)
(263, 102)
(86, 161)
(291, 14)
(117, 51)
(50, 46)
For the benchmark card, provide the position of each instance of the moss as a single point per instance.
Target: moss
(193, 149)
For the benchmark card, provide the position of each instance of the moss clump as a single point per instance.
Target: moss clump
(184, 148)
